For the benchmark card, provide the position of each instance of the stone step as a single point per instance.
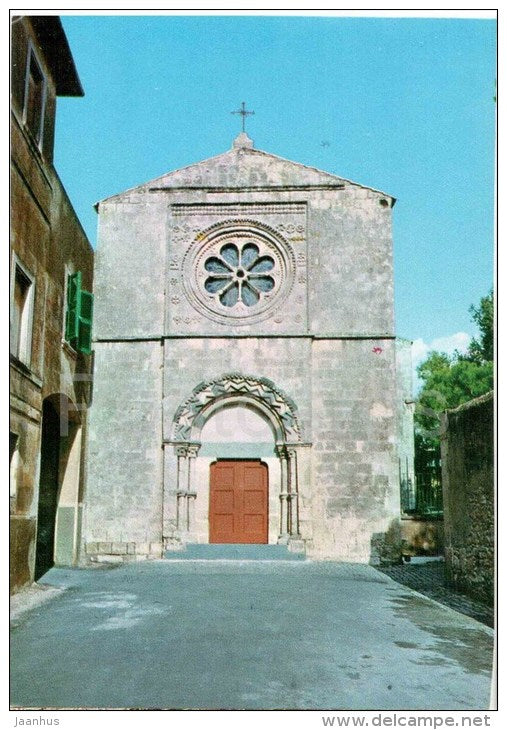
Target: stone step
(233, 552)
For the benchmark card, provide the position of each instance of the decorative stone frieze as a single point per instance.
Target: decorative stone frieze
(261, 390)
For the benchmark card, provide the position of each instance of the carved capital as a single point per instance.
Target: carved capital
(193, 450)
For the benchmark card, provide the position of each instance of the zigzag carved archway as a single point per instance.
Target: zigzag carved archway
(257, 389)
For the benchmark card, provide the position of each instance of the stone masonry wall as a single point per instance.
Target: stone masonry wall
(355, 469)
(468, 491)
(135, 236)
(350, 263)
(124, 492)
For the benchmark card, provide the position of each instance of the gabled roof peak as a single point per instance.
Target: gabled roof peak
(242, 141)
(244, 167)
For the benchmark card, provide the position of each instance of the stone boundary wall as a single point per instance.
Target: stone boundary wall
(422, 537)
(469, 497)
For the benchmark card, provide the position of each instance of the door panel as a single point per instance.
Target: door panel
(253, 500)
(224, 501)
(224, 526)
(238, 511)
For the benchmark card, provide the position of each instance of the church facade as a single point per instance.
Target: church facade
(248, 384)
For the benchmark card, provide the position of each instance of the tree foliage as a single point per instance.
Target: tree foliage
(482, 350)
(450, 380)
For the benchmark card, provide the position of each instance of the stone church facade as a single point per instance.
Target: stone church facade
(248, 384)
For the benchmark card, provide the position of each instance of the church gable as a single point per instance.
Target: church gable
(243, 243)
(244, 167)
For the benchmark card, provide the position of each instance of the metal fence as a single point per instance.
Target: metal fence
(423, 495)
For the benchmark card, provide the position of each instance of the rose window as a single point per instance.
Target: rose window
(239, 273)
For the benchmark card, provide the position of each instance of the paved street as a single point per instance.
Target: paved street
(254, 635)
(429, 578)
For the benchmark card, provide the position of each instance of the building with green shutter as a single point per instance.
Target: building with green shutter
(51, 311)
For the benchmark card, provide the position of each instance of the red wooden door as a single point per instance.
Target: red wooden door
(238, 505)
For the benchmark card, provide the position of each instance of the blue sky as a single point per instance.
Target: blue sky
(403, 105)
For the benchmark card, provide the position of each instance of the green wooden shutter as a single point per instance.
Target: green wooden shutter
(78, 319)
(84, 339)
(73, 306)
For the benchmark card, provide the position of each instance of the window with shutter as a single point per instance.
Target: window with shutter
(79, 314)
(35, 97)
(72, 313)
(21, 314)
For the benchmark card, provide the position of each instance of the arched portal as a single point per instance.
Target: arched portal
(60, 456)
(239, 420)
(235, 428)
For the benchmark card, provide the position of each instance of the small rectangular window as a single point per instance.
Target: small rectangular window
(35, 97)
(21, 315)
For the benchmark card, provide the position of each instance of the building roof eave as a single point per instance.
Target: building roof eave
(53, 43)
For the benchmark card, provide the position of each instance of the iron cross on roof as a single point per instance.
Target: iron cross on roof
(244, 113)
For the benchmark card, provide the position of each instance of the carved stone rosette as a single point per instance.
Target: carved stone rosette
(255, 243)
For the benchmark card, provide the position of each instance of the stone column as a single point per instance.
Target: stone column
(293, 497)
(181, 487)
(284, 494)
(192, 451)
